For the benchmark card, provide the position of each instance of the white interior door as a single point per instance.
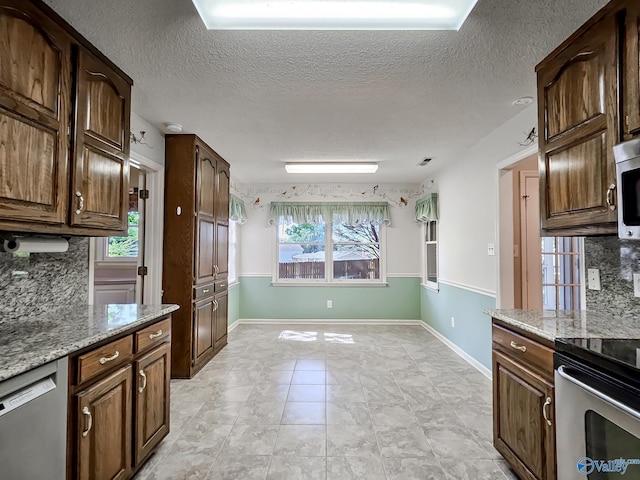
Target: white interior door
(531, 252)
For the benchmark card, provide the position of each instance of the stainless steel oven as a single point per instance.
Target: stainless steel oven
(597, 417)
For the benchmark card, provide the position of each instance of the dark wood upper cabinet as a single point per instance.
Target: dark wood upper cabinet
(579, 125)
(64, 128)
(35, 98)
(101, 163)
(632, 71)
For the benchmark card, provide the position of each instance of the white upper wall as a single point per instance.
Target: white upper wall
(257, 240)
(154, 150)
(468, 196)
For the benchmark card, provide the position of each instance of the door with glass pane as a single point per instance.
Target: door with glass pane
(561, 273)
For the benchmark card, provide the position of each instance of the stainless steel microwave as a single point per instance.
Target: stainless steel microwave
(627, 157)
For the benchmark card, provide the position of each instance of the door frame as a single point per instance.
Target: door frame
(153, 231)
(524, 241)
(505, 245)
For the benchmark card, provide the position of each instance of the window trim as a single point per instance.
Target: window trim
(435, 286)
(329, 280)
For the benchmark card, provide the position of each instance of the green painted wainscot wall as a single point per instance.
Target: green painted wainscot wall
(234, 304)
(399, 300)
(472, 331)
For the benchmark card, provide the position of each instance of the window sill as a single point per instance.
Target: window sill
(329, 284)
(432, 287)
(117, 263)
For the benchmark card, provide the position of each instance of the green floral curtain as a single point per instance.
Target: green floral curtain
(427, 208)
(237, 212)
(283, 213)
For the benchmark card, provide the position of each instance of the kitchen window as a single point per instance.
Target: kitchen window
(328, 243)
(431, 255)
(329, 252)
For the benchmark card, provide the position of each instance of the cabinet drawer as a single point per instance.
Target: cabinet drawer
(523, 349)
(104, 358)
(153, 335)
(204, 291)
(221, 286)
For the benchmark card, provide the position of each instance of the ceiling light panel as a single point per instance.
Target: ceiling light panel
(334, 15)
(336, 167)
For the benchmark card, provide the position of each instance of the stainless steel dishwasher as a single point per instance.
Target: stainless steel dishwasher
(33, 423)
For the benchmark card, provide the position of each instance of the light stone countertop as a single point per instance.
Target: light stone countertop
(28, 342)
(552, 324)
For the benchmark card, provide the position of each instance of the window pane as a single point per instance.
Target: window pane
(356, 262)
(432, 262)
(365, 233)
(126, 247)
(301, 233)
(301, 261)
(549, 300)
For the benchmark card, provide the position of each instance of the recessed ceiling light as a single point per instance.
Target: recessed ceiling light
(523, 101)
(334, 15)
(331, 167)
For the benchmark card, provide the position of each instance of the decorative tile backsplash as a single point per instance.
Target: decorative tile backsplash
(42, 281)
(617, 261)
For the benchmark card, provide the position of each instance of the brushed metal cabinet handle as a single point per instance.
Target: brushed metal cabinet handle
(522, 348)
(215, 305)
(544, 411)
(144, 381)
(206, 290)
(80, 202)
(155, 335)
(87, 412)
(610, 197)
(104, 360)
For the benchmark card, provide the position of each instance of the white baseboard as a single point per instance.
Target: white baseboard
(461, 353)
(325, 321)
(233, 325)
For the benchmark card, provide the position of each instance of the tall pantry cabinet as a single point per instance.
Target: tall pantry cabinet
(196, 228)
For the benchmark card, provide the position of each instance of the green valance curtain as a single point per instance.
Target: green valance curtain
(283, 213)
(427, 208)
(237, 212)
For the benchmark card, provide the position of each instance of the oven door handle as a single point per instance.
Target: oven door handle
(606, 398)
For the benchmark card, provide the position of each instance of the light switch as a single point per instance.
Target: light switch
(491, 250)
(593, 279)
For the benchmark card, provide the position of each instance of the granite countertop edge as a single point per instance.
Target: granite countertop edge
(522, 325)
(38, 359)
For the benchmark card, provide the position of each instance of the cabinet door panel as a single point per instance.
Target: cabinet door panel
(632, 69)
(101, 165)
(222, 249)
(203, 326)
(222, 193)
(104, 423)
(35, 94)
(578, 119)
(152, 400)
(521, 433)
(221, 314)
(205, 251)
(206, 183)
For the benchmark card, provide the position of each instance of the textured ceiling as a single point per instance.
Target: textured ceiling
(262, 98)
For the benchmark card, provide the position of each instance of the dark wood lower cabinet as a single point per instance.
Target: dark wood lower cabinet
(153, 374)
(523, 404)
(221, 314)
(103, 433)
(203, 326)
(119, 403)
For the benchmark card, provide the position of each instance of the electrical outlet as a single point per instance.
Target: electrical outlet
(636, 284)
(593, 279)
(329, 303)
(491, 249)
(453, 322)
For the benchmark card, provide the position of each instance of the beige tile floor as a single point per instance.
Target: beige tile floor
(298, 402)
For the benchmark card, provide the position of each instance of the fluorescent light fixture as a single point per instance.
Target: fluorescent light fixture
(331, 167)
(334, 15)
